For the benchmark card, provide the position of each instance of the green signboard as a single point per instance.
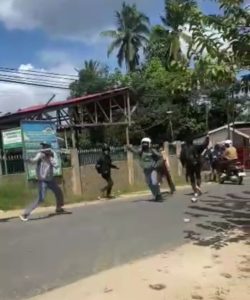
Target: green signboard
(12, 139)
(33, 134)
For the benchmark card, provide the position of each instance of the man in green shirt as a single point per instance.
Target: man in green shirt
(149, 159)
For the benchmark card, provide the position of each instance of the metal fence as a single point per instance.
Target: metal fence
(12, 164)
(90, 157)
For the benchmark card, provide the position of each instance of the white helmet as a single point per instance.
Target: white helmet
(146, 140)
(228, 142)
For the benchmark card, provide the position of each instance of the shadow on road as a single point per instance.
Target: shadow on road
(215, 220)
(52, 215)
(164, 194)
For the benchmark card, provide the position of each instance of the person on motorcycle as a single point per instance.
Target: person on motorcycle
(149, 161)
(229, 157)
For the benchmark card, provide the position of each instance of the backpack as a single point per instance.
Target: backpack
(98, 167)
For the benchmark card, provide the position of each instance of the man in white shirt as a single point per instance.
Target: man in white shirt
(45, 165)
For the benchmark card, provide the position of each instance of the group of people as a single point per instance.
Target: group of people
(154, 163)
(221, 157)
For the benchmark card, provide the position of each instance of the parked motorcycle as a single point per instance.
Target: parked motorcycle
(234, 173)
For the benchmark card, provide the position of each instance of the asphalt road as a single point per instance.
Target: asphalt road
(52, 251)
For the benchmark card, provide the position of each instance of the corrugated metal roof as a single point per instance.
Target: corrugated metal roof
(70, 101)
(21, 113)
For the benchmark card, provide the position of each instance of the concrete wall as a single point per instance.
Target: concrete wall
(92, 182)
(89, 180)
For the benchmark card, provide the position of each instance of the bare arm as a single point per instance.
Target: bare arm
(36, 158)
(133, 150)
(203, 146)
(156, 153)
(114, 166)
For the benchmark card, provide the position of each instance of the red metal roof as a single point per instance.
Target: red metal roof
(93, 97)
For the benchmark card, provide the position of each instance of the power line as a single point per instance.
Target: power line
(16, 77)
(20, 73)
(69, 76)
(37, 84)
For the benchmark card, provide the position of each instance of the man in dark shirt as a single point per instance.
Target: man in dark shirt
(191, 159)
(103, 167)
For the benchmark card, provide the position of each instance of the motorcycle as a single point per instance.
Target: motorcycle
(234, 173)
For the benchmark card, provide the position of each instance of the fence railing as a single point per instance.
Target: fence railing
(12, 164)
(90, 157)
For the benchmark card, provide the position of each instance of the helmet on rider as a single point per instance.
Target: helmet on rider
(146, 143)
(228, 143)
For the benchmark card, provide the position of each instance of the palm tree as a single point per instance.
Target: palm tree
(177, 13)
(92, 66)
(130, 35)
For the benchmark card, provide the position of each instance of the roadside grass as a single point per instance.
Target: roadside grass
(17, 193)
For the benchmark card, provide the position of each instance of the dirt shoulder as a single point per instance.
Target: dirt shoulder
(188, 272)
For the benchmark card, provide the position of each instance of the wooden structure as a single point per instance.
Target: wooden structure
(109, 108)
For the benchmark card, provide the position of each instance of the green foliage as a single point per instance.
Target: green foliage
(169, 80)
(130, 36)
(93, 78)
(165, 40)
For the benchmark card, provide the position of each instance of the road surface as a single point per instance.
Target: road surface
(52, 251)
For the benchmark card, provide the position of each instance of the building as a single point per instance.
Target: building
(239, 134)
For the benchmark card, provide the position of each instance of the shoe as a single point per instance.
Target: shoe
(110, 197)
(194, 199)
(24, 217)
(159, 198)
(60, 211)
(199, 192)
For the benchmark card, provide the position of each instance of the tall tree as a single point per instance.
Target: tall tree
(172, 32)
(94, 77)
(130, 36)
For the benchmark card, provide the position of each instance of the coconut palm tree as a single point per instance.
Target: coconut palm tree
(130, 36)
(177, 13)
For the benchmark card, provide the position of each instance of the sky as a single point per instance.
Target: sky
(58, 36)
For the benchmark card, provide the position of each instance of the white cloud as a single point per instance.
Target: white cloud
(71, 19)
(14, 96)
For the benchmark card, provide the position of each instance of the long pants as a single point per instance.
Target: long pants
(108, 188)
(42, 189)
(152, 181)
(194, 173)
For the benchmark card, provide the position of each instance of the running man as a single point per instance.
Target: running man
(45, 165)
(103, 167)
(191, 160)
